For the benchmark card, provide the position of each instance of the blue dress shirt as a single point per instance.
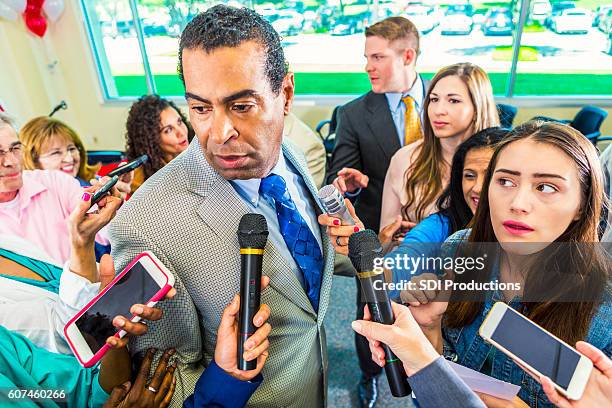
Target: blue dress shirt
(248, 190)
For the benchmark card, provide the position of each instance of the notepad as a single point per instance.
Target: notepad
(485, 384)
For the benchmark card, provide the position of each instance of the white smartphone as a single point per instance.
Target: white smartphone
(145, 280)
(537, 349)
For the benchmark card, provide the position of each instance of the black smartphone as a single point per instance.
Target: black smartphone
(133, 165)
(106, 188)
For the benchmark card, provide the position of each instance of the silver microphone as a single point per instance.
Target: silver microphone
(333, 203)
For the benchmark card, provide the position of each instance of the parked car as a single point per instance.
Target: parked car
(288, 23)
(498, 21)
(346, 25)
(573, 20)
(557, 9)
(457, 20)
(605, 22)
(423, 17)
(539, 10)
(125, 28)
(599, 13)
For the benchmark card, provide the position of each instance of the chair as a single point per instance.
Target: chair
(329, 138)
(104, 156)
(587, 121)
(506, 114)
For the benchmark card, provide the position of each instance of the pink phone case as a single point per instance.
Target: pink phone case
(158, 296)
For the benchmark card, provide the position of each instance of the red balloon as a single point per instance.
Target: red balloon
(36, 3)
(36, 23)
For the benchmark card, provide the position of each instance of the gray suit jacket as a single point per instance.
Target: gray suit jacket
(187, 214)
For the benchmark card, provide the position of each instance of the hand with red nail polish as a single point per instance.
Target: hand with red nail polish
(339, 234)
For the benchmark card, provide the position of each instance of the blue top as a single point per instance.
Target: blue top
(216, 388)
(49, 272)
(424, 239)
(465, 345)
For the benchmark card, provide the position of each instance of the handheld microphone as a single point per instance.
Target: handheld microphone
(252, 236)
(364, 247)
(333, 203)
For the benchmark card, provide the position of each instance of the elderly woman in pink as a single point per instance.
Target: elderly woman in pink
(34, 204)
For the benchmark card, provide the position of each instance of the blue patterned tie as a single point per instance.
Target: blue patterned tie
(299, 239)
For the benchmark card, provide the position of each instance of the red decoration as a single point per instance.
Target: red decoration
(34, 19)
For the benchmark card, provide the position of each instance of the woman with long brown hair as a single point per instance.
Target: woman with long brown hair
(458, 104)
(538, 216)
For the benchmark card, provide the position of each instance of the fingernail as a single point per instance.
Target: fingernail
(120, 322)
(86, 196)
(336, 222)
(356, 326)
(356, 229)
(258, 322)
(113, 342)
(248, 345)
(137, 310)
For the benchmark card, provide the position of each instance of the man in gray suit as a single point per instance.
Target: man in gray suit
(238, 90)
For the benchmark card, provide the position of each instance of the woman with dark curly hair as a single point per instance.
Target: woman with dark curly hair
(156, 127)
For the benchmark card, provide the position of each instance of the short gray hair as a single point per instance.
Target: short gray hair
(6, 120)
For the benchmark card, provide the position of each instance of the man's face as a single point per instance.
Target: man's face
(10, 164)
(385, 65)
(235, 115)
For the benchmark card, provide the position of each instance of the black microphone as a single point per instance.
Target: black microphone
(364, 247)
(252, 236)
(333, 203)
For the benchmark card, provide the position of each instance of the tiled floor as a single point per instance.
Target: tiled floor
(343, 366)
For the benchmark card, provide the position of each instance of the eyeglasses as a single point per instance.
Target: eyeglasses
(14, 150)
(59, 154)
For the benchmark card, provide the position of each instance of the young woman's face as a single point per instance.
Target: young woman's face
(474, 170)
(173, 133)
(450, 109)
(60, 153)
(534, 193)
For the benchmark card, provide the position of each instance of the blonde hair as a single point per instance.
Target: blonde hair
(41, 130)
(424, 176)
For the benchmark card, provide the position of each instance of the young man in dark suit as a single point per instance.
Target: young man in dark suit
(370, 130)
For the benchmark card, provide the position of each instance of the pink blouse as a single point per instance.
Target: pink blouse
(394, 192)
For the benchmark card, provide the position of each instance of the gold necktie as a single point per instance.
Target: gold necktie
(412, 121)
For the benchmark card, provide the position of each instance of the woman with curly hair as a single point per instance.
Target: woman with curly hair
(156, 127)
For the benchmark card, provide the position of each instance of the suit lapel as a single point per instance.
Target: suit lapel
(381, 123)
(218, 194)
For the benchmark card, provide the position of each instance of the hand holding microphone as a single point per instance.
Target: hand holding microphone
(252, 236)
(340, 218)
(364, 248)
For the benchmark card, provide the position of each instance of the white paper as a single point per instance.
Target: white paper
(485, 384)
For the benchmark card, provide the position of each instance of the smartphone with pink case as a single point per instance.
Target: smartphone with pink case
(145, 281)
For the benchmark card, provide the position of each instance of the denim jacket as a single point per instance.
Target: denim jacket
(465, 346)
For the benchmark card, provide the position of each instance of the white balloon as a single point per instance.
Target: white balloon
(53, 9)
(18, 6)
(7, 13)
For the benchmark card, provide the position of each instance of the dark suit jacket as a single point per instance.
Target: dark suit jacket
(366, 139)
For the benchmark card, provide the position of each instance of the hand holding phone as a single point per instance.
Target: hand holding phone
(539, 351)
(102, 325)
(126, 168)
(104, 190)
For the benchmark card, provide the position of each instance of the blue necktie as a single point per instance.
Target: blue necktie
(297, 235)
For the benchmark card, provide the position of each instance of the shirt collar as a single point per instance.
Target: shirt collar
(249, 189)
(416, 92)
(30, 188)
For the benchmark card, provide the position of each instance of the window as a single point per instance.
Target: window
(566, 46)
